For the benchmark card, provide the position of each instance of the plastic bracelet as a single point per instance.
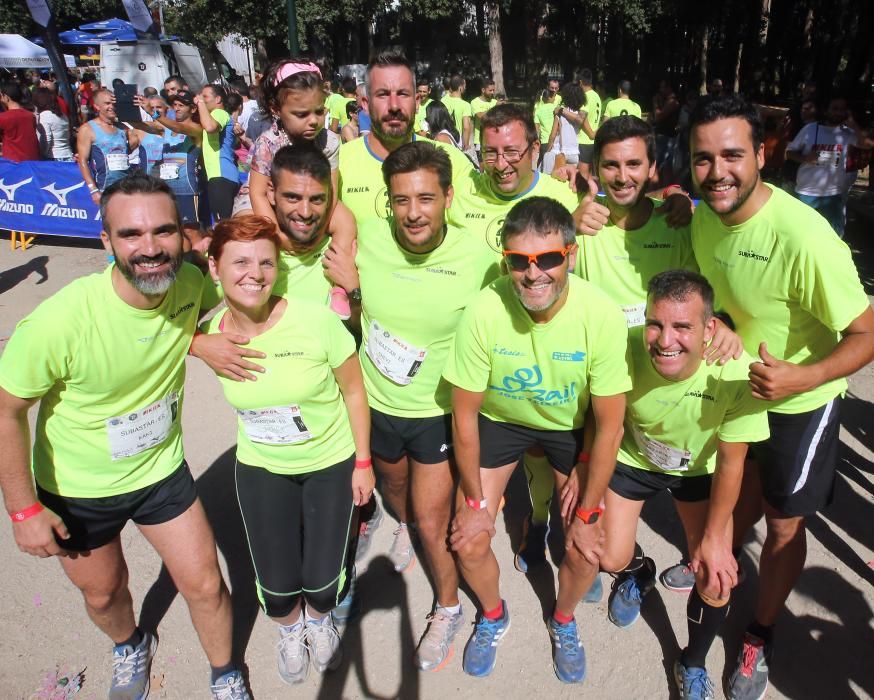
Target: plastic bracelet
(584, 457)
(363, 463)
(665, 191)
(93, 188)
(26, 513)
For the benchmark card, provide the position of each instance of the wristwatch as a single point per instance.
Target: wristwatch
(591, 516)
(355, 294)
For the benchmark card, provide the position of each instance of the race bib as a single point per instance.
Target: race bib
(117, 161)
(169, 171)
(143, 429)
(661, 455)
(395, 358)
(275, 425)
(828, 158)
(635, 315)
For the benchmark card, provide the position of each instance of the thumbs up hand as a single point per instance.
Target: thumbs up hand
(591, 216)
(772, 379)
(677, 209)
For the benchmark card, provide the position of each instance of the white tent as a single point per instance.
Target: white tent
(18, 52)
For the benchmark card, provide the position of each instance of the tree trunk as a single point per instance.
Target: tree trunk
(764, 23)
(496, 49)
(702, 62)
(480, 20)
(740, 53)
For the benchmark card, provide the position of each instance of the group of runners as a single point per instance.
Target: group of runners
(617, 345)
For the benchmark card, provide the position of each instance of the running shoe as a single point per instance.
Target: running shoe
(568, 655)
(401, 552)
(349, 608)
(130, 669)
(623, 607)
(693, 683)
(681, 579)
(323, 640)
(481, 650)
(340, 303)
(366, 528)
(749, 681)
(532, 549)
(293, 658)
(230, 686)
(435, 647)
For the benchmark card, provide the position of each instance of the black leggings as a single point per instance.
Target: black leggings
(221, 192)
(298, 528)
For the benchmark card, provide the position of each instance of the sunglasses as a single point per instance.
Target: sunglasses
(519, 262)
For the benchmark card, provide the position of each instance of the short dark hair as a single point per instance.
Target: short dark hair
(488, 81)
(219, 91)
(150, 92)
(625, 126)
(710, 109)
(12, 90)
(418, 155)
(502, 114)
(572, 96)
(302, 159)
(423, 81)
(677, 285)
(233, 103)
(541, 215)
(45, 100)
(135, 183)
(625, 86)
(351, 108)
(455, 82)
(240, 87)
(586, 76)
(348, 84)
(388, 58)
(273, 93)
(174, 79)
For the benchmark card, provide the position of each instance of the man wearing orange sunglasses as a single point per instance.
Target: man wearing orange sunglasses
(531, 353)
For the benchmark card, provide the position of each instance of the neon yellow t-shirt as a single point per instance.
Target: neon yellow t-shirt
(458, 109)
(362, 188)
(621, 106)
(481, 211)
(540, 375)
(419, 119)
(786, 279)
(110, 378)
(293, 419)
(402, 357)
(213, 145)
(338, 109)
(477, 105)
(593, 109)
(544, 115)
(623, 262)
(675, 427)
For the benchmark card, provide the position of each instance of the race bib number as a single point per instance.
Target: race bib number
(661, 455)
(169, 171)
(117, 161)
(828, 158)
(395, 358)
(143, 429)
(275, 425)
(635, 315)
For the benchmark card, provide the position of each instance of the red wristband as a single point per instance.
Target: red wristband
(196, 333)
(665, 191)
(26, 513)
(584, 457)
(363, 463)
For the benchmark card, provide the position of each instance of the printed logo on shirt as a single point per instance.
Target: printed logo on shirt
(357, 190)
(441, 271)
(577, 356)
(383, 204)
(752, 255)
(524, 385)
(655, 245)
(497, 350)
(182, 310)
(699, 395)
(493, 233)
(722, 263)
(288, 353)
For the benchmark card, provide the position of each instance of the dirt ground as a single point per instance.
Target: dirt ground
(825, 637)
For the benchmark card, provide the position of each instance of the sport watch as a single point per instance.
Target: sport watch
(590, 516)
(355, 294)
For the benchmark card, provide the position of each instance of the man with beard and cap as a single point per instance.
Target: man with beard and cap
(103, 145)
(105, 360)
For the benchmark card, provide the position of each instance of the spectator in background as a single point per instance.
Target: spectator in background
(623, 104)
(85, 96)
(423, 99)
(54, 129)
(714, 89)
(351, 130)
(223, 180)
(250, 105)
(665, 114)
(50, 81)
(460, 110)
(17, 124)
(338, 104)
(440, 125)
(363, 114)
(562, 146)
(544, 112)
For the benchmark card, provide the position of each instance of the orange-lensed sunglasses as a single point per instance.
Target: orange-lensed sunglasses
(546, 260)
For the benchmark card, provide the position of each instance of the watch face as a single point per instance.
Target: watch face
(593, 518)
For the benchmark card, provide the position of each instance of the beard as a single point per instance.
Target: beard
(547, 303)
(150, 284)
(395, 133)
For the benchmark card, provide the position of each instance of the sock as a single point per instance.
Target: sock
(635, 563)
(763, 632)
(218, 671)
(450, 609)
(561, 619)
(703, 621)
(294, 624)
(495, 613)
(541, 485)
(134, 640)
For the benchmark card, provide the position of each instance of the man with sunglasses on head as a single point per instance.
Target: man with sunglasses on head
(510, 147)
(531, 353)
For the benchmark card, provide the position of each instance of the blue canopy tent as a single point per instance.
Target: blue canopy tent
(106, 25)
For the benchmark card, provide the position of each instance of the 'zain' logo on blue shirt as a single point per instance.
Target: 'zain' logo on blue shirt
(577, 356)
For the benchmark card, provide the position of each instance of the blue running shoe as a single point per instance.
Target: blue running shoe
(231, 686)
(568, 655)
(693, 683)
(130, 669)
(482, 647)
(623, 608)
(595, 592)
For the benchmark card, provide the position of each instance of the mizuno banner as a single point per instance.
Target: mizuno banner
(48, 198)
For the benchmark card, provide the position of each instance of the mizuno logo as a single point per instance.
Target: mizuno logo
(9, 190)
(61, 195)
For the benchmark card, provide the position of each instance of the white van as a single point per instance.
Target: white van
(149, 62)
